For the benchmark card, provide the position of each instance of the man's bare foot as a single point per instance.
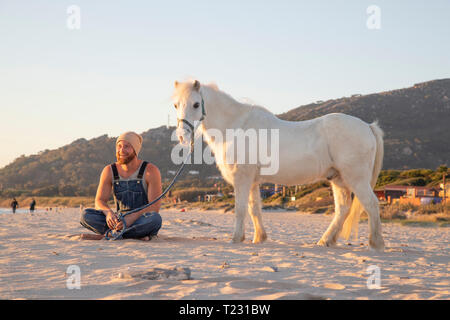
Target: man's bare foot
(148, 238)
(88, 236)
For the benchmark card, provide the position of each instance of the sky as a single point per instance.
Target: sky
(115, 73)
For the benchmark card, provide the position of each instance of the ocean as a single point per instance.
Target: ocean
(20, 210)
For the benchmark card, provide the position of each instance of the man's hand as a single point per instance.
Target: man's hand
(129, 220)
(111, 219)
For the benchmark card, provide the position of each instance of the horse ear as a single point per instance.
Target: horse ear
(176, 83)
(196, 85)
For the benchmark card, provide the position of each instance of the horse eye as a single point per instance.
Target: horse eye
(196, 105)
(175, 105)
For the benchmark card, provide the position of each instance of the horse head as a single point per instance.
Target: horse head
(188, 102)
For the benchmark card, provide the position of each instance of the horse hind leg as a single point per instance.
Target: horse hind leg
(254, 207)
(369, 201)
(342, 202)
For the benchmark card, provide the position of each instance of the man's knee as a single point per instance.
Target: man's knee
(86, 214)
(93, 220)
(155, 222)
(158, 220)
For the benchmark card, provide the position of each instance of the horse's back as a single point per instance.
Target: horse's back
(346, 126)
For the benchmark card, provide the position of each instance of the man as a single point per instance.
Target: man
(133, 183)
(32, 205)
(14, 205)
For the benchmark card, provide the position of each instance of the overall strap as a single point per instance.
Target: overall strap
(115, 172)
(142, 170)
(115, 178)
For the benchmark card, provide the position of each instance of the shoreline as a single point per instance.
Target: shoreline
(411, 219)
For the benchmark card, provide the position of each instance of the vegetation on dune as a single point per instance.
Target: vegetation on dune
(413, 177)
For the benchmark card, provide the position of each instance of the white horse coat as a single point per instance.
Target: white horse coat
(338, 147)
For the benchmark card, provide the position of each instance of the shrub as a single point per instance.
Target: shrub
(191, 194)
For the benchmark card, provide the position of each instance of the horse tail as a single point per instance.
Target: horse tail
(352, 221)
(378, 164)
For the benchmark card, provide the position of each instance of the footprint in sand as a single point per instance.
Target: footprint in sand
(334, 286)
(176, 273)
(64, 236)
(190, 222)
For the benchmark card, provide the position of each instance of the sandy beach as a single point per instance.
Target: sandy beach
(38, 252)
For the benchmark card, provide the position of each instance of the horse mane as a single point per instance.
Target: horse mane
(250, 106)
(184, 89)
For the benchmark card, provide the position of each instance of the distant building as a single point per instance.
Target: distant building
(380, 195)
(444, 193)
(409, 194)
(215, 177)
(210, 197)
(394, 192)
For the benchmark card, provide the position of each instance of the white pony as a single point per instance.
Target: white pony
(336, 147)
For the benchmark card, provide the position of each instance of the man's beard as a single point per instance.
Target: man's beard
(126, 160)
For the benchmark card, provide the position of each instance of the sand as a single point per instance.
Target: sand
(40, 255)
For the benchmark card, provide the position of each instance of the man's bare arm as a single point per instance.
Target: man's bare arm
(153, 178)
(104, 191)
(102, 197)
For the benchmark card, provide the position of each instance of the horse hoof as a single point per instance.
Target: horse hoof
(237, 239)
(377, 248)
(324, 243)
(377, 245)
(260, 239)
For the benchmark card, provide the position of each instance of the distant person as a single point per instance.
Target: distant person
(32, 205)
(14, 205)
(133, 183)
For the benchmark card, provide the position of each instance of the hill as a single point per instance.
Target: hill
(414, 121)
(74, 169)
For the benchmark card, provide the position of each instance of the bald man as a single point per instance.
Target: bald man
(133, 183)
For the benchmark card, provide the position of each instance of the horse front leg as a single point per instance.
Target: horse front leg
(242, 192)
(255, 213)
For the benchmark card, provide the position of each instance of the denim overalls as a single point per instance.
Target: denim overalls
(128, 194)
